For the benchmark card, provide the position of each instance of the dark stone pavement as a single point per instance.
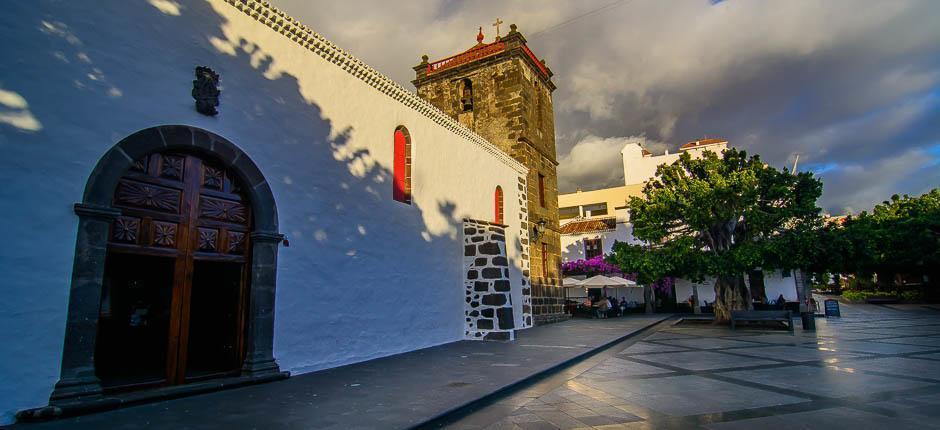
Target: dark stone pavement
(393, 392)
(877, 367)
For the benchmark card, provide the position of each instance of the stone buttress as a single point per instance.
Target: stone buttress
(489, 307)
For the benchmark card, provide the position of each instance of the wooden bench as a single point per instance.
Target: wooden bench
(782, 316)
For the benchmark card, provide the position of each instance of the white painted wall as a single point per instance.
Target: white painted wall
(776, 284)
(706, 290)
(364, 277)
(638, 168)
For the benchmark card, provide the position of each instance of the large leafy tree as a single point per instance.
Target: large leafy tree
(814, 247)
(716, 216)
(898, 237)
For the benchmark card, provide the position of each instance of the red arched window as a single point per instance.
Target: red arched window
(401, 169)
(498, 205)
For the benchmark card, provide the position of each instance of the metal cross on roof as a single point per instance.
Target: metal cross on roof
(496, 24)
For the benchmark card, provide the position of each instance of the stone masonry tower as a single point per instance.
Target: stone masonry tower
(503, 92)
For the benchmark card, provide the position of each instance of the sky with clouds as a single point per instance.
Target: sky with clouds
(853, 87)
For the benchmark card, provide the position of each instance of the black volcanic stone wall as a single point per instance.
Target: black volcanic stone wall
(524, 259)
(488, 309)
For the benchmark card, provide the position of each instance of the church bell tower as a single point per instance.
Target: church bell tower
(503, 92)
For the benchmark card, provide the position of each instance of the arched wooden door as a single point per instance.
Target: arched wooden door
(174, 294)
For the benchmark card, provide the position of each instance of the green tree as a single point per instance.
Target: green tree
(715, 217)
(810, 247)
(899, 237)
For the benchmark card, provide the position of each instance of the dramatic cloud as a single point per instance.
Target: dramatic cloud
(855, 183)
(852, 86)
(595, 162)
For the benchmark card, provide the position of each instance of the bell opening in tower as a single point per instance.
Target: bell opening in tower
(466, 94)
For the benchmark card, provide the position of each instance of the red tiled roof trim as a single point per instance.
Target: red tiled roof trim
(589, 226)
(703, 142)
(465, 57)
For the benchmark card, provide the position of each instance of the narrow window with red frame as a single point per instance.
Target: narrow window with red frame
(498, 205)
(401, 168)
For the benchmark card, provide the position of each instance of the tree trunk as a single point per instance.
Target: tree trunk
(648, 298)
(730, 294)
(696, 308)
(804, 290)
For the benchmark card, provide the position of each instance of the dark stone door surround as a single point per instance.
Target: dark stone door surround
(77, 378)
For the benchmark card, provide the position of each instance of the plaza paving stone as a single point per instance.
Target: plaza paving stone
(618, 367)
(841, 380)
(933, 356)
(916, 340)
(399, 391)
(876, 367)
(852, 372)
(669, 334)
(647, 347)
(834, 418)
(926, 369)
(706, 343)
(782, 339)
(858, 346)
(795, 353)
(926, 328)
(702, 360)
(691, 395)
(852, 335)
(923, 409)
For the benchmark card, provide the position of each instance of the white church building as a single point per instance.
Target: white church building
(591, 221)
(208, 193)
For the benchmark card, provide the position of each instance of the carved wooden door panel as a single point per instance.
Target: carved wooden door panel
(189, 209)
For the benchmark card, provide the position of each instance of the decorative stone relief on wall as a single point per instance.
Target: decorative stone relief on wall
(206, 91)
(488, 310)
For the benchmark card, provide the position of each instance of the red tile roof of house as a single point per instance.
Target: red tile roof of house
(703, 142)
(589, 225)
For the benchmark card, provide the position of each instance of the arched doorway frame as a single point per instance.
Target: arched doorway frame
(95, 213)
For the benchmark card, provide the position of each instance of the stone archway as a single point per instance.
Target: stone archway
(96, 214)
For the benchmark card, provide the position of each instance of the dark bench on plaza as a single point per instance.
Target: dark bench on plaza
(788, 306)
(761, 316)
(881, 300)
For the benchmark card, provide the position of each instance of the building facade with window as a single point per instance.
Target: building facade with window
(592, 220)
(228, 196)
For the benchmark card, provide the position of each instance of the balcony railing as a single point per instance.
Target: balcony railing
(466, 57)
(478, 53)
